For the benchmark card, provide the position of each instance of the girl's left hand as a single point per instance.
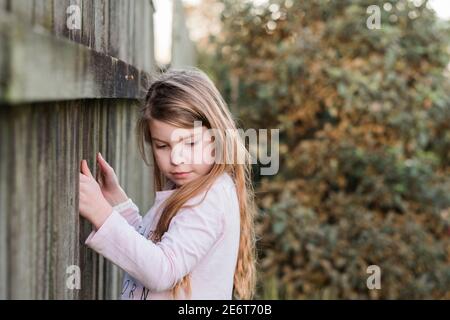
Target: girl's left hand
(93, 206)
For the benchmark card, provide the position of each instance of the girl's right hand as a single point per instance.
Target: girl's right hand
(109, 184)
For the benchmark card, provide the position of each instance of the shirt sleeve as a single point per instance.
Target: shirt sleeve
(130, 211)
(159, 266)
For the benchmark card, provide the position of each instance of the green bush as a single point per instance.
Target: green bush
(364, 119)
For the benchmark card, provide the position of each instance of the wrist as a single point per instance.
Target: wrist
(118, 198)
(101, 217)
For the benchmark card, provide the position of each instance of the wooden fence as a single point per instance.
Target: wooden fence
(66, 94)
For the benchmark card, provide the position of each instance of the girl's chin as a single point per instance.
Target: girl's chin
(182, 180)
(181, 183)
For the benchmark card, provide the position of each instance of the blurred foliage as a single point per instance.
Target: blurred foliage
(364, 119)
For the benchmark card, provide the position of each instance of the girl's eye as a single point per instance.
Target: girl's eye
(160, 146)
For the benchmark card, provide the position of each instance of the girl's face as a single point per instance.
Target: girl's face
(182, 155)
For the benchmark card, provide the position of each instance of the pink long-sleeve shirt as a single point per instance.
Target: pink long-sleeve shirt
(202, 240)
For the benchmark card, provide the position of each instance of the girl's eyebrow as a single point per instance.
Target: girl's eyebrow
(153, 138)
(192, 135)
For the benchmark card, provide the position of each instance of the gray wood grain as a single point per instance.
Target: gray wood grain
(64, 96)
(70, 70)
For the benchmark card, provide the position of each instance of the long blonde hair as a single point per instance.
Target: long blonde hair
(180, 97)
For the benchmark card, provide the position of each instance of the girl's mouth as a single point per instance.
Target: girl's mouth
(180, 174)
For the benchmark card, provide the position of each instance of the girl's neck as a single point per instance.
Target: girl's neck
(170, 185)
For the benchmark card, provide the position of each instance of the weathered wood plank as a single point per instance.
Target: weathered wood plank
(65, 217)
(144, 42)
(5, 192)
(88, 258)
(60, 16)
(43, 14)
(113, 35)
(5, 5)
(42, 142)
(40, 172)
(101, 25)
(43, 138)
(142, 35)
(88, 22)
(70, 70)
(39, 214)
(31, 174)
(20, 219)
(23, 9)
(118, 29)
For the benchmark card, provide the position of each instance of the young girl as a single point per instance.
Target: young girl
(197, 241)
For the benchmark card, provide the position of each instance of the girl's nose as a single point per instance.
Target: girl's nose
(176, 156)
